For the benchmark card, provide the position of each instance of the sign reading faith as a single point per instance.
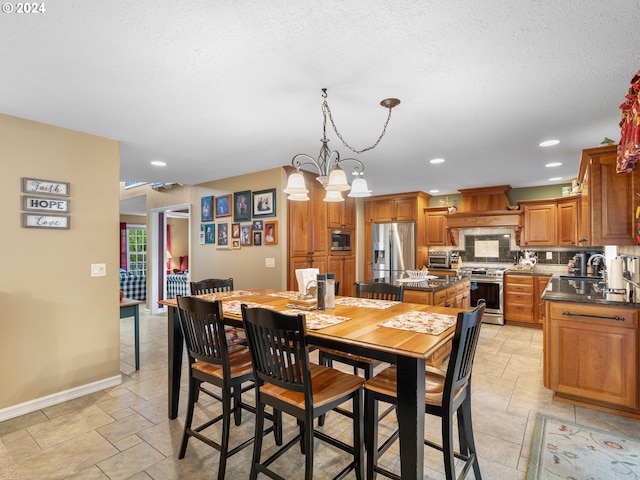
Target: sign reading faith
(41, 204)
(45, 187)
(31, 220)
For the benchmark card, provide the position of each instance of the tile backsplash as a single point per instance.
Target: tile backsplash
(497, 245)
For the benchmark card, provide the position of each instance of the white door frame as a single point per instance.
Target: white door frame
(155, 268)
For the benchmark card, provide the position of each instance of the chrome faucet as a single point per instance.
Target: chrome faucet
(597, 255)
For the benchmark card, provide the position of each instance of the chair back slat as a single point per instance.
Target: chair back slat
(464, 344)
(212, 285)
(380, 291)
(278, 347)
(203, 330)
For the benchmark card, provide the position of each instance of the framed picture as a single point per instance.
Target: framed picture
(257, 238)
(223, 235)
(235, 230)
(242, 206)
(264, 203)
(209, 231)
(223, 206)
(207, 208)
(235, 244)
(271, 233)
(245, 235)
(257, 225)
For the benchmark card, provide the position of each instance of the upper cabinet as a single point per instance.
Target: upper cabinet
(550, 222)
(609, 199)
(342, 214)
(435, 227)
(403, 207)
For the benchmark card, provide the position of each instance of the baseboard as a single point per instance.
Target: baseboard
(56, 398)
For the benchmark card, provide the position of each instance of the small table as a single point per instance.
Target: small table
(129, 308)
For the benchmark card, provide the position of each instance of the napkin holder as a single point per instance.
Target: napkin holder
(304, 301)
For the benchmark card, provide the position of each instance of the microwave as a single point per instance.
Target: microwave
(340, 240)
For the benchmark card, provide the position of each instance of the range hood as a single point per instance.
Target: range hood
(485, 207)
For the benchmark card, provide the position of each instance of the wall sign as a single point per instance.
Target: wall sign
(42, 204)
(45, 187)
(31, 220)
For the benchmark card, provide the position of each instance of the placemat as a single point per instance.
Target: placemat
(223, 295)
(287, 294)
(421, 322)
(233, 306)
(366, 303)
(316, 321)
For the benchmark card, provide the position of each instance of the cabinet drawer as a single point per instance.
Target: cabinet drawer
(519, 312)
(592, 313)
(519, 279)
(519, 298)
(518, 288)
(439, 298)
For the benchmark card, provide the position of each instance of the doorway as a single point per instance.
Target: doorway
(157, 255)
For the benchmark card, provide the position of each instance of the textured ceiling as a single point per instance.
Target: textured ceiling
(217, 89)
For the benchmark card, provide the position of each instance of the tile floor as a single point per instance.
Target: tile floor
(124, 432)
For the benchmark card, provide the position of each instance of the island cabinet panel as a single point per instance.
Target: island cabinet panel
(591, 354)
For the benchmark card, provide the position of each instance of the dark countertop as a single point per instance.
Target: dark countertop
(527, 271)
(585, 291)
(434, 285)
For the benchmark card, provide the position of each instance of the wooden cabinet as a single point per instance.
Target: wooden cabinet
(344, 266)
(435, 226)
(342, 214)
(609, 199)
(551, 222)
(454, 296)
(522, 297)
(591, 354)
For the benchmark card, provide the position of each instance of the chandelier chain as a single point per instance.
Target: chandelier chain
(327, 112)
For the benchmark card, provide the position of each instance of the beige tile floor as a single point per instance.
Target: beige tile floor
(124, 433)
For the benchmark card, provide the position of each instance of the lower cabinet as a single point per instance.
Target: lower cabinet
(454, 296)
(591, 354)
(344, 266)
(522, 302)
(308, 261)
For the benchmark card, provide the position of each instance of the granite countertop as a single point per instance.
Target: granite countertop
(593, 290)
(431, 285)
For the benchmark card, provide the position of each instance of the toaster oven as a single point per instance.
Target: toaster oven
(439, 259)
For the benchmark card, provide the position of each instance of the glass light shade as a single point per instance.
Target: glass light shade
(338, 181)
(333, 196)
(296, 185)
(298, 197)
(359, 188)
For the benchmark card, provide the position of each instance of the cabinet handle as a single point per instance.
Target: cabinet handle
(617, 318)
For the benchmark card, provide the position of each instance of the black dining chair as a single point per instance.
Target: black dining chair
(217, 285)
(326, 356)
(446, 393)
(213, 361)
(288, 382)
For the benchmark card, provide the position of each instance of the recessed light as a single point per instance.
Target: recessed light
(549, 143)
(555, 179)
(158, 163)
(436, 160)
(434, 191)
(553, 164)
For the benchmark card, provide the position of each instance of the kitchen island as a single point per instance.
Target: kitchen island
(591, 345)
(442, 291)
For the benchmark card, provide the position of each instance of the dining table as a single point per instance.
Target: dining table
(400, 333)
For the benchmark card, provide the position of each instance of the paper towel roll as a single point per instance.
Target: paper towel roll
(615, 274)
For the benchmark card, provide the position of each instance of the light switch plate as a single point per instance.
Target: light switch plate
(98, 269)
(270, 262)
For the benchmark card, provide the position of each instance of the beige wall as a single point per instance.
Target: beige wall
(246, 265)
(60, 327)
(179, 239)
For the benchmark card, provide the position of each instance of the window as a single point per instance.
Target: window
(137, 249)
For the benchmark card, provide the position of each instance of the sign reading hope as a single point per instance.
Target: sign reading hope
(46, 204)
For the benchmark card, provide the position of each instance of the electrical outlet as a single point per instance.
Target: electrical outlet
(270, 262)
(98, 269)
(549, 255)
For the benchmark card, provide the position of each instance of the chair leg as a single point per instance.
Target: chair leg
(308, 446)
(358, 434)
(327, 362)
(194, 386)
(447, 446)
(226, 421)
(465, 425)
(277, 423)
(371, 432)
(237, 399)
(257, 444)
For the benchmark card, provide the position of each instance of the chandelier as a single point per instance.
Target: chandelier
(329, 164)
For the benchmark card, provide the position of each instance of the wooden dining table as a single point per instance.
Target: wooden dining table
(361, 334)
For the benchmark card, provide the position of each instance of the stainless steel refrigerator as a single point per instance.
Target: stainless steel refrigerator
(394, 249)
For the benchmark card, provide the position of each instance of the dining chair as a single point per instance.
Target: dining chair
(446, 393)
(212, 361)
(326, 356)
(288, 382)
(217, 285)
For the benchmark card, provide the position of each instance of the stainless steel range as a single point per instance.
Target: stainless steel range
(487, 283)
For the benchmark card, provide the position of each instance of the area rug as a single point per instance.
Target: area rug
(8, 468)
(566, 450)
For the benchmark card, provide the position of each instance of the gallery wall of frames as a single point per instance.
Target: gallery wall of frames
(241, 219)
